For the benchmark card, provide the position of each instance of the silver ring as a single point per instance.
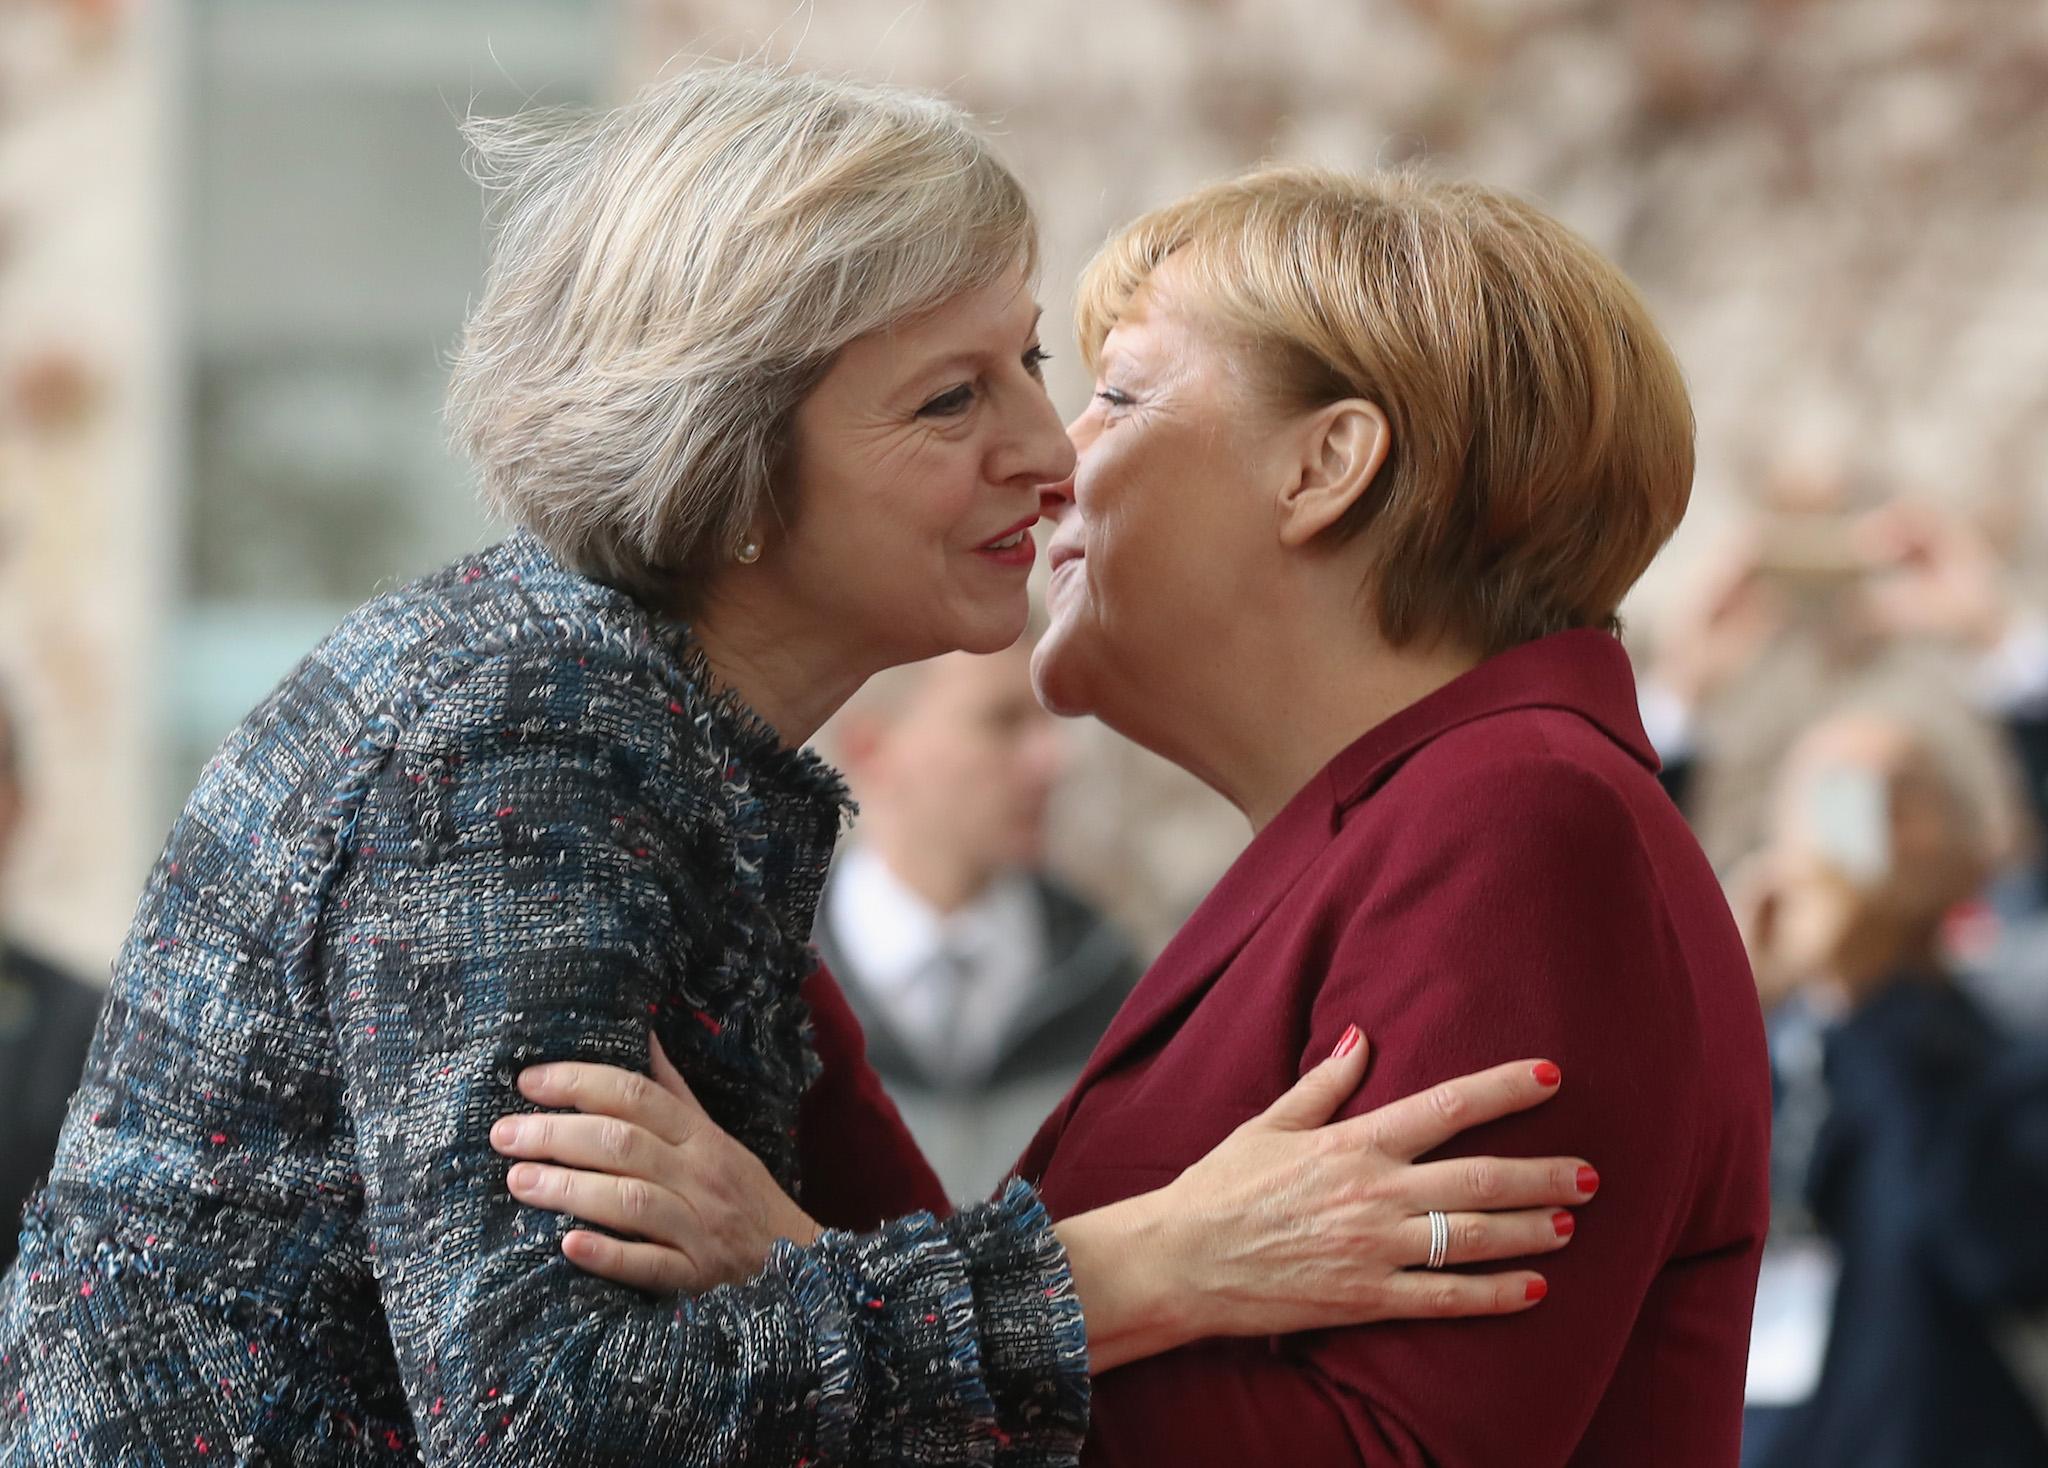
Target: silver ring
(1439, 1239)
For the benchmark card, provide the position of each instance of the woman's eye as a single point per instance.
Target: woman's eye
(1111, 398)
(1035, 360)
(949, 404)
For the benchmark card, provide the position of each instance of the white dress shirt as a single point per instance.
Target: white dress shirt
(950, 984)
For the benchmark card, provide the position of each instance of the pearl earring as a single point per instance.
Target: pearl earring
(748, 553)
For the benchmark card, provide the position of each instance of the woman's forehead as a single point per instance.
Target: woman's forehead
(999, 306)
(1166, 324)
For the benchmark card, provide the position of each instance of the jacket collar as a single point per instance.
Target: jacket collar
(786, 806)
(1585, 672)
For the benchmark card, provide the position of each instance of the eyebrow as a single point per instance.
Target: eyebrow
(936, 366)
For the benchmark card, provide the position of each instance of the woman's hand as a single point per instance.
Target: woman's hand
(1290, 1224)
(1287, 1224)
(1935, 575)
(642, 1158)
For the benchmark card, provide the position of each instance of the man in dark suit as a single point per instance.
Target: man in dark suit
(982, 982)
(46, 1023)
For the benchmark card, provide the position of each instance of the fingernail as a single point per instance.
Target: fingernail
(533, 1076)
(504, 1131)
(1536, 1291)
(1547, 1074)
(1564, 1223)
(1589, 1180)
(1347, 1043)
(522, 1178)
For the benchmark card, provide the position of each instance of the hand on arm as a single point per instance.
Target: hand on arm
(1287, 1225)
(1292, 1224)
(640, 1157)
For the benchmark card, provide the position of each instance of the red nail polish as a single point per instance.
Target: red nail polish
(1547, 1074)
(1564, 1223)
(1589, 1180)
(1536, 1291)
(1348, 1043)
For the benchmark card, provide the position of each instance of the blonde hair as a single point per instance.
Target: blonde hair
(1542, 439)
(670, 278)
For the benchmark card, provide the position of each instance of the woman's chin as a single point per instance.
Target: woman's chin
(1055, 677)
(1000, 637)
(985, 629)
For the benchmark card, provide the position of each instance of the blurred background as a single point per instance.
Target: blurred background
(237, 242)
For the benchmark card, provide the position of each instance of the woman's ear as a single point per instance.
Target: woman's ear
(1342, 451)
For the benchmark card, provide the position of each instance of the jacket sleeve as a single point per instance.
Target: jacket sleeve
(1519, 920)
(509, 895)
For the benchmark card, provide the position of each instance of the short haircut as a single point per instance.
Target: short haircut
(669, 279)
(1542, 439)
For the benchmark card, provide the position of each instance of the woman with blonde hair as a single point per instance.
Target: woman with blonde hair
(1369, 465)
(756, 369)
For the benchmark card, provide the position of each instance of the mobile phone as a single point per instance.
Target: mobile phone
(1850, 810)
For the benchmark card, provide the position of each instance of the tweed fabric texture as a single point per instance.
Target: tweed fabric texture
(497, 817)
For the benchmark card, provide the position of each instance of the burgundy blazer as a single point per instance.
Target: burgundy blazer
(1492, 873)
(859, 1164)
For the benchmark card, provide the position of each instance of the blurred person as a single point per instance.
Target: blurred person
(1369, 465)
(1908, 1260)
(46, 1020)
(756, 370)
(1938, 577)
(1905, 571)
(980, 981)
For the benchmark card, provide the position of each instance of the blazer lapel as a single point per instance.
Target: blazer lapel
(1225, 921)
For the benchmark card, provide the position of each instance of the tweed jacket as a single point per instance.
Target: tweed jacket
(497, 817)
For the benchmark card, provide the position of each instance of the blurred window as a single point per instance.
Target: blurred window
(331, 246)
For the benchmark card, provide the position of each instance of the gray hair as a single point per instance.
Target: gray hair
(1969, 763)
(669, 280)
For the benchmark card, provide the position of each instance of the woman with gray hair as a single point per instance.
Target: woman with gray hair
(756, 369)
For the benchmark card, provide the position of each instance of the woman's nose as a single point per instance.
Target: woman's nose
(1039, 451)
(1059, 450)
